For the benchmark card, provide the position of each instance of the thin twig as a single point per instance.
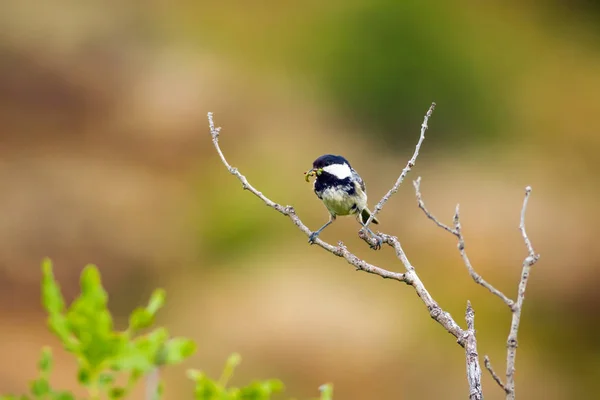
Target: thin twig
(406, 170)
(476, 277)
(457, 231)
(515, 307)
(417, 185)
(488, 366)
(288, 211)
(522, 227)
(473, 367)
(511, 343)
(464, 338)
(152, 385)
(410, 277)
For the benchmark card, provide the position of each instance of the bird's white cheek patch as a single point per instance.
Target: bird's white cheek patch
(341, 171)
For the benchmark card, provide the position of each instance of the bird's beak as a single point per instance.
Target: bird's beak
(309, 173)
(312, 172)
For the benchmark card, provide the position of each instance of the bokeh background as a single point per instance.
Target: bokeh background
(106, 158)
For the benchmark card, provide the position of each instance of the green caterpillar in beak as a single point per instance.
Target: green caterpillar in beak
(312, 172)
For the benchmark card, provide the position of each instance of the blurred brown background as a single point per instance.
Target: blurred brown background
(106, 158)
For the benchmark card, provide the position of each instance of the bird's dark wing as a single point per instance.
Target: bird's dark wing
(356, 177)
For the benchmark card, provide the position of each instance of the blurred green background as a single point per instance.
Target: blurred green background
(106, 158)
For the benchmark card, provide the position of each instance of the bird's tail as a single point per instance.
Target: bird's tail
(365, 214)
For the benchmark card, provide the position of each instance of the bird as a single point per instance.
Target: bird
(342, 191)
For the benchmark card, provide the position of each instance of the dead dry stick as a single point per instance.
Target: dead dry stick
(515, 306)
(511, 343)
(473, 367)
(406, 170)
(465, 338)
(457, 231)
(410, 277)
(340, 250)
(488, 366)
(153, 385)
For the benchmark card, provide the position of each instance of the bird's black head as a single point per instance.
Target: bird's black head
(329, 159)
(330, 167)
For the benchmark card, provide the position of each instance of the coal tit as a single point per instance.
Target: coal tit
(342, 191)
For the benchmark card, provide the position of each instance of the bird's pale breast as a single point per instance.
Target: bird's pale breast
(339, 202)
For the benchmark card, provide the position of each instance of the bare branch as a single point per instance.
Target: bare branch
(288, 211)
(457, 231)
(410, 277)
(417, 185)
(515, 307)
(153, 385)
(522, 227)
(464, 338)
(473, 367)
(488, 366)
(476, 277)
(511, 343)
(406, 170)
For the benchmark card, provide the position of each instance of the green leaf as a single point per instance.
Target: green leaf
(45, 363)
(205, 388)
(157, 301)
(52, 298)
(232, 362)
(59, 325)
(160, 391)
(63, 396)
(157, 337)
(133, 359)
(105, 379)
(140, 318)
(143, 353)
(176, 350)
(84, 376)
(40, 387)
(261, 390)
(274, 385)
(86, 329)
(117, 393)
(90, 281)
(194, 374)
(254, 391)
(91, 323)
(134, 376)
(326, 391)
(54, 304)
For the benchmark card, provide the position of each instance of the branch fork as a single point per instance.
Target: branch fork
(465, 338)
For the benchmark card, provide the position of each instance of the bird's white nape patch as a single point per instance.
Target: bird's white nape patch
(340, 171)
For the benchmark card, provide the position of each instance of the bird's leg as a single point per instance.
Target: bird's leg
(379, 240)
(313, 236)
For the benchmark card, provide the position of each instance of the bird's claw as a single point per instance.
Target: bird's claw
(377, 245)
(313, 236)
(368, 236)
